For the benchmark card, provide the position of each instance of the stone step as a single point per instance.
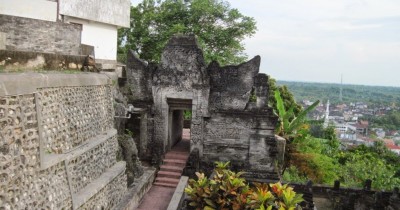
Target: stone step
(175, 162)
(169, 174)
(165, 184)
(178, 152)
(171, 168)
(167, 180)
(178, 156)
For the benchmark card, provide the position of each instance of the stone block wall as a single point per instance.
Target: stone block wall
(240, 130)
(57, 143)
(27, 34)
(139, 80)
(227, 137)
(231, 86)
(245, 139)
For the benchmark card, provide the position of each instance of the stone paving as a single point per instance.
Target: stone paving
(161, 192)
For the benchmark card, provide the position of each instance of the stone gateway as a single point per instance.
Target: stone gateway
(226, 125)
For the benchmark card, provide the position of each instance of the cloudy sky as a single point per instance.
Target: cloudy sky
(318, 40)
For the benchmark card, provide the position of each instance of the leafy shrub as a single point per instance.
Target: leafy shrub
(228, 190)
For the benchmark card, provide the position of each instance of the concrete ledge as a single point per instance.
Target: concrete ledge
(19, 60)
(94, 187)
(138, 189)
(177, 198)
(27, 83)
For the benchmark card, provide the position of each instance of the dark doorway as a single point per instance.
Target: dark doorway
(178, 108)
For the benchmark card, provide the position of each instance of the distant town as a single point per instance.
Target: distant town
(352, 109)
(350, 126)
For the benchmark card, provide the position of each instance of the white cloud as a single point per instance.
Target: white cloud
(340, 25)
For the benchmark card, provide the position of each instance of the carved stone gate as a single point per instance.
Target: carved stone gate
(226, 125)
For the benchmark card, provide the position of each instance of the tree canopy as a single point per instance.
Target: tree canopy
(219, 28)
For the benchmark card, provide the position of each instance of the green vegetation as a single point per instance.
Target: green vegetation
(228, 190)
(219, 28)
(314, 153)
(187, 114)
(287, 97)
(376, 163)
(323, 162)
(372, 95)
(129, 133)
(289, 122)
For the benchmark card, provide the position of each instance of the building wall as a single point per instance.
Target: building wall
(58, 145)
(100, 20)
(26, 34)
(103, 37)
(38, 9)
(115, 12)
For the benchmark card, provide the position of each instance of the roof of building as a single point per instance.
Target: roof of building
(388, 141)
(393, 147)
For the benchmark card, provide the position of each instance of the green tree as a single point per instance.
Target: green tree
(289, 122)
(219, 28)
(360, 166)
(286, 95)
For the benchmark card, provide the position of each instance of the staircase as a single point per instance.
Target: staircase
(174, 162)
(171, 170)
(168, 176)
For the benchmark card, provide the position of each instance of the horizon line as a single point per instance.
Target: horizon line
(337, 83)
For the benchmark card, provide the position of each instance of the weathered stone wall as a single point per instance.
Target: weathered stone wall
(27, 34)
(239, 129)
(58, 146)
(231, 86)
(23, 183)
(227, 138)
(338, 198)
(73, 115)
(139, 76)
(180, 82)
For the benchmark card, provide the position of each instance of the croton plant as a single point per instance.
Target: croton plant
(227, 190)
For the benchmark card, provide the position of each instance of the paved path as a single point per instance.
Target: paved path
(167, 179)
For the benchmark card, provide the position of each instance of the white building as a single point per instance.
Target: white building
(100, 19)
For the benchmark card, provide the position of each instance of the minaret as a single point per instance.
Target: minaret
(326, 122)
(341, 88)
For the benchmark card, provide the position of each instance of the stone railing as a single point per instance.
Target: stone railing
(179, 194)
